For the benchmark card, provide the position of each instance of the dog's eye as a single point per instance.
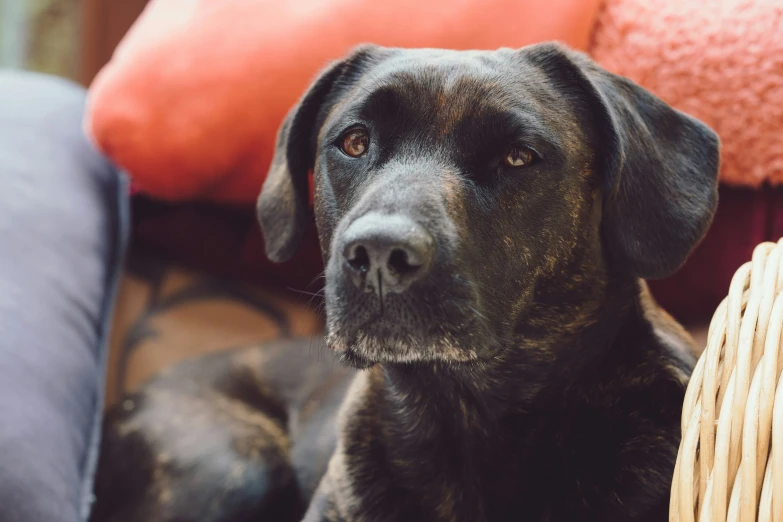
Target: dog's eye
(519, 157)
(356, 143)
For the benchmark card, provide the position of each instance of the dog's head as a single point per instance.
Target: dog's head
(453, 188)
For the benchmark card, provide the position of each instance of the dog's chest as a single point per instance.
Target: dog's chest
(573, 464)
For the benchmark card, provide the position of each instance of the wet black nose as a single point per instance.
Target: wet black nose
(386, 253)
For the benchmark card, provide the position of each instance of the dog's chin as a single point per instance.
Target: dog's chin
(364, 351)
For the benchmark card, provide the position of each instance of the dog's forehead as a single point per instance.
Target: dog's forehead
(442, 84)
(450, 93)
(446, 72)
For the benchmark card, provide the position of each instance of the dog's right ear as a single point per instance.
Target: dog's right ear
(282, 204)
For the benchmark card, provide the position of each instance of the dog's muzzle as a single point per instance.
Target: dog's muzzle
(386, 253)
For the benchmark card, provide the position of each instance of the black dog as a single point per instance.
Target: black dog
(486, 219)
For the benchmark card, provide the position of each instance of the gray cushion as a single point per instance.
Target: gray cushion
(62, 235)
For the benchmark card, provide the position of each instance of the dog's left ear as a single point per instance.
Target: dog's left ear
(282, 205)
(660, 166)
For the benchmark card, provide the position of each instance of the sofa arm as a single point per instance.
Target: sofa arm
(62, 238)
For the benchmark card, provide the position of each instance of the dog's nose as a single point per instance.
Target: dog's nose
(386, 252)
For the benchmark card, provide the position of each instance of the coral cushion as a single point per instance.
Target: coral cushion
(192, 98)
(718, 60)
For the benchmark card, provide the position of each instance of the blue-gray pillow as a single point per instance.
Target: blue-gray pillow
(62, 239)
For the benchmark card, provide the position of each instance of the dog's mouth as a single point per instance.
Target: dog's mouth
(366, 348)
(436, 318)
(404, 334)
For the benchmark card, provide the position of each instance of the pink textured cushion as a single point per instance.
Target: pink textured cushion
(718, 60)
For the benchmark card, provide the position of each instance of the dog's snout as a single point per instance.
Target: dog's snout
(386, 252)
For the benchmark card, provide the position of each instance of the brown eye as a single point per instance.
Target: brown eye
(518, 157)
(355, 143)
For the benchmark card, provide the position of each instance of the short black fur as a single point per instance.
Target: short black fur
(516, 369)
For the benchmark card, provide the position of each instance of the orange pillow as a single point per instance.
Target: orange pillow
(191, 101)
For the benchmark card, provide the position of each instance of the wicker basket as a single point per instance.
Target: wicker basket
(727, 467)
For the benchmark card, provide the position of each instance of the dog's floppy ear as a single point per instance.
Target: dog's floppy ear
(660, 166)
(282, 204)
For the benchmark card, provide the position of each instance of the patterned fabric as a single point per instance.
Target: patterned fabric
(166, 313)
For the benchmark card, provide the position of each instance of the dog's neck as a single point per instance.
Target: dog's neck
(482, 433)
(553, 348)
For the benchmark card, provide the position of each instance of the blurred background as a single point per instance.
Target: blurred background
(68, 38)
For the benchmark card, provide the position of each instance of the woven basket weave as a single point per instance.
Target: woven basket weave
(727, 468)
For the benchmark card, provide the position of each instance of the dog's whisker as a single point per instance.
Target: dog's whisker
(319, 277)
(477, 312)
(319, 293)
